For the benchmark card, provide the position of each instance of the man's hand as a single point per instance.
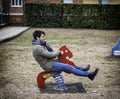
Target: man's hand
(61, 53)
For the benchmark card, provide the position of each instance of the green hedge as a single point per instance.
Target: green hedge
(72, 15)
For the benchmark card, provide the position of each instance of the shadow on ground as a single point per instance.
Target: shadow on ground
(114, 58)
(72, 88)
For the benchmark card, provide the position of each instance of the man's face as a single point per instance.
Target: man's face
(42, 37)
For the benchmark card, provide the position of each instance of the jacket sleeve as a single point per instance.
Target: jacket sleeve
(46, 53)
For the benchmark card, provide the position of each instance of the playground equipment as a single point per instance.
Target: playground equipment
(116, 49)
(64, 58)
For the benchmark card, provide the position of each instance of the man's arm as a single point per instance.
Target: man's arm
(47, 54)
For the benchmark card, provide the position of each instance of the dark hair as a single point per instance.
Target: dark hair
(37, 33)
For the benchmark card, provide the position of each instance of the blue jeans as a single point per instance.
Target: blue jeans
(68, 68)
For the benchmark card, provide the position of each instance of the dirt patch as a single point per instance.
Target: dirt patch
(19, 69)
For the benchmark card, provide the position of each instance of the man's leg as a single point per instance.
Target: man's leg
(83, 68)
(67, 68)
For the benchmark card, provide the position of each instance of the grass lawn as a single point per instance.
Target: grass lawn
(18, 69)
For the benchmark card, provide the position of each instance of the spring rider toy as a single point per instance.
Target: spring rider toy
(64, 58)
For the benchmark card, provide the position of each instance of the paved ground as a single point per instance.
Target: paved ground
(7, 33)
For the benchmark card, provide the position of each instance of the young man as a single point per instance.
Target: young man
(47, 58)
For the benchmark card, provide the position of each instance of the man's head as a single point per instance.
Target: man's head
(39, 35)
